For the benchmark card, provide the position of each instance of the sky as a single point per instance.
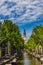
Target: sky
(25, 13)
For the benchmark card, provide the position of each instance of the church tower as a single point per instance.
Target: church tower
(24, 36)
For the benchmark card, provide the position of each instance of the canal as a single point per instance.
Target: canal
(28, 60)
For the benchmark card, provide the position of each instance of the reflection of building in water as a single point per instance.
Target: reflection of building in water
(24, 36)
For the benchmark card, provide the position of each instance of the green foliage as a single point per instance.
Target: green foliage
(31, 44)
(36, 37)
(10, 34)
(37, 34)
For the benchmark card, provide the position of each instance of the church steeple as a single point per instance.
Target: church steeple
(24, 36)
(24, 33)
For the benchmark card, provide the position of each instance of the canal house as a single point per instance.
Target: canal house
(39, 49)
(5, 48)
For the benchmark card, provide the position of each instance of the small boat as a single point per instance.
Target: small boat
(14, 62)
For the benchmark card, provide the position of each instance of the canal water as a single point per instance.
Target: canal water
(28, 60)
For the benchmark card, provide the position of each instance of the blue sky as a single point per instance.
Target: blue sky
(25, 13)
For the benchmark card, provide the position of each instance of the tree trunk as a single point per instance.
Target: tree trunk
(0, 51)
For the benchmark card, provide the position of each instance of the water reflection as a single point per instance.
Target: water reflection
(28, 60)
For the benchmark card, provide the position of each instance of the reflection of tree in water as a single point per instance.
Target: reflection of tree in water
(30, 57)
(20, 62)
(29, 60)
(34, 61)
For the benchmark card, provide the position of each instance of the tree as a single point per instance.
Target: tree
(31, 44)
(36, 37)
(10, 35)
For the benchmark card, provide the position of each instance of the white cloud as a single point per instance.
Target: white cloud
(1, 1)
(28, 10)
